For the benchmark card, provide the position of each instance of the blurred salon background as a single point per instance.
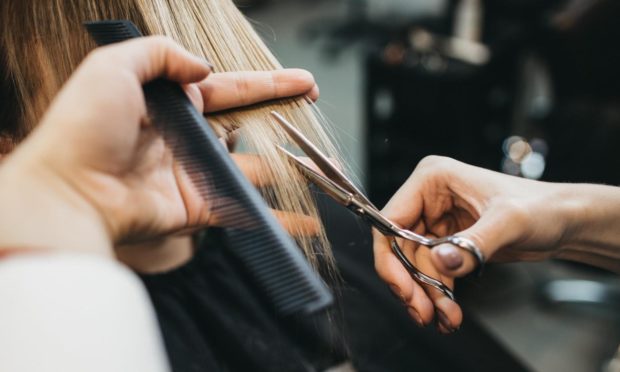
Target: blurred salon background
(526, 87)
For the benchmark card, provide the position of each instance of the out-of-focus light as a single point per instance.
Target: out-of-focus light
(533, 166)
(394, 54)
(434, 63)
(519, 150)
(540, 107)
(540, 146)
(523, 158)
(383, 104)
(421, 39)
(508, 142)
(510, 167)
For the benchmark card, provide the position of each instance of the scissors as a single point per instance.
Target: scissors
(343, 191)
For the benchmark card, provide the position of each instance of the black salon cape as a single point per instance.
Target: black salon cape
(212, 320)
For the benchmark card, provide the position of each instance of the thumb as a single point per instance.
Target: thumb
(496, 229)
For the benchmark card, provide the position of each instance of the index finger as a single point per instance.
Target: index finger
(222, 91)
(425, 194)
(406, 205)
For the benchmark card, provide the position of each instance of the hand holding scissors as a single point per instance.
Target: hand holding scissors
(482, 215)
(341, 189)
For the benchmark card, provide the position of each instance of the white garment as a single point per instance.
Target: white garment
(69, 312)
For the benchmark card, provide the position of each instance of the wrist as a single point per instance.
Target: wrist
(592, 218)
(40, 210)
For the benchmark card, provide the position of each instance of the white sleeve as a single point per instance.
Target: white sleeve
(69, 313)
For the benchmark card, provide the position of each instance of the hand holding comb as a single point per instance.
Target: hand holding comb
(253, 235)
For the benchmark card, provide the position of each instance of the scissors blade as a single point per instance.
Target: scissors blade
(334, 190)
(325, 165)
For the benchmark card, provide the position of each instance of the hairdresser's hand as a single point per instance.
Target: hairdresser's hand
(95, 173)
(226, 90)
(509, 218)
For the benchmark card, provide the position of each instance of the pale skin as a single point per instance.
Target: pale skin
(94, 175)
(509, 218)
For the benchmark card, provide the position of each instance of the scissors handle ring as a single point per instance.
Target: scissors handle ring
(459, 241)
(417, 274)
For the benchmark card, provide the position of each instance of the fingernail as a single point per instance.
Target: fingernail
(396, 291)
(442, 329)
(414, 314)
(444, 321)
(206, 62)
(314, 92)
(450, 256)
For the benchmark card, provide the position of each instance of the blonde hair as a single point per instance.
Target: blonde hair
(43, 43)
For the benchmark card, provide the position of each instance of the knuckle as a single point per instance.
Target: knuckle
(431, 160)
(242, 87)
(274, 86)
(434, 162)
(435, 165)
(161, 46)
(98, 61)
(161, 40)
(99, 55)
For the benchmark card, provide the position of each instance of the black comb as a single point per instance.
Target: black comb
(252, 233)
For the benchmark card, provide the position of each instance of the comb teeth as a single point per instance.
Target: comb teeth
(253, 235)
(108, 32)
